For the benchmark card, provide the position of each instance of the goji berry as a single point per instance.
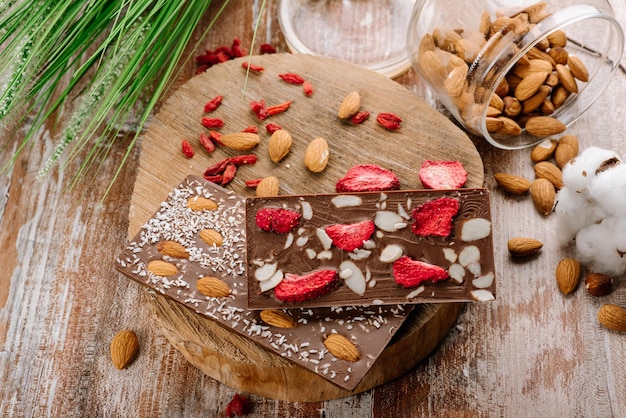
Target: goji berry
(279, 108)
(186, 148)
(253, 182)
(216, 137)
(307, 88)
(389, 121)
(213, 104)
(242, 159)
(252, 67)
(267, 49)
(216, 178)
(229, 173)
(252, 129)
(360, 117)
(206, 143)
(217, 168)
(211, 123)
(291, 78)
(270, 128)
(259, 109)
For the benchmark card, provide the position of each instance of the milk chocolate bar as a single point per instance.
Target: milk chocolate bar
(395, 247)
(193, 250)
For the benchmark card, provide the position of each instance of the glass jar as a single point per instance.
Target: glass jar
(515, 72)
(370, 33)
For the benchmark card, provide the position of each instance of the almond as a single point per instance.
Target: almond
(279, 145)
(559, 55)
(201, 203)
(432, 68)
(316, 155)
(350, 105)
(549, 171)
(455, 82)
(543, 194)
(530, 85)
(543, 151)
(509, 127)
(341, 347)
(124, 348)
(512, 184)
(213, 287)
(612, 317)
(522, 247)
(544, 126)
(570, 140)
(557, 38)
(567, 275)
(567, 79)
(536, 53)
(566, 150)
(211, 237)
(598, 284)
(277, 318)
(577, 68)
(172, 249)
(534, 102)
(240, 141)
(537, 12)
(268, 186)
(162, 268)
(512, 107)
(494, 124)
(559, 96)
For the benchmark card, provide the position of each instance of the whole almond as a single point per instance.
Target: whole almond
(535, 101)
(571, 140)
(544, 126)
(567, 79)
(598, 284)
(549, 171)
(559, 55)
(211, 237)
(543, 194)
(543, 151)
(612, 317)
(509, 127)
(523, 247)
(530, 85)
(577, 68)
(201, 203)
(162, 268)
(567, 275)
(213, 287)
(512, 184)
(277, 318)
(342, 348)
(350, 105)
(455, 82)
(279, 145)
(536, 53)
(240, 141)
(493, 124)
(566, 150)
(512, 106)
(268, 186)
(172, 249)
(316, 155)
(124, 348)
(557, 38)
(559, 96)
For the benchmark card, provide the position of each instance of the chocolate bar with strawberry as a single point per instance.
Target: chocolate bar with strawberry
(370, 248)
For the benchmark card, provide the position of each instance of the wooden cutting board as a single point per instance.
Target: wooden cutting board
(425, 134)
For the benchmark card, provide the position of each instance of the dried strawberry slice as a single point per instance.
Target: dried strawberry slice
(295, 289)
(349, 237)
(442, 174)
(435, 217)
(408, 272)
(367, 178)
(278, 220)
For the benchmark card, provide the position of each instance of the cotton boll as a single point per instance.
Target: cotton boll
(602, 246)
(608, 190)
(581, 171)
(575, 211)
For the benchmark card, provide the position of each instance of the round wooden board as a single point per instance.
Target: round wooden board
(425, 134)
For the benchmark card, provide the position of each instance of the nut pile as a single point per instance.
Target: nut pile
(537, 85)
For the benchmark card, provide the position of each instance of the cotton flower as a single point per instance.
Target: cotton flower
(591, 209)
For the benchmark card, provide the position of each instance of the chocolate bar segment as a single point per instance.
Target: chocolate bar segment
(394, 247)
(193, 250)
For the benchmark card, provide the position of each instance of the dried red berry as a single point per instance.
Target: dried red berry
(277, 220)
(186, 148)
(216, 137)
(213, 104)
(360, 117)
(294, 289)
(270, 128)
(211, 123)
(307, 88)
(267, 49)
(239, 406)
(389, 121)
(408, 272)
(442, 174)
(259, 109)
(435, 217)
(279, 108)
(349, 237)
(229, 173)
(242, 159)
(251, 129)
(367, 177)
(217, 168)
(206, 143)
(291, 78)
(252, 67)
(215, 178)
(253, 182)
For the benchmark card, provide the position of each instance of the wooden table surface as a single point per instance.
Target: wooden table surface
(532, 352)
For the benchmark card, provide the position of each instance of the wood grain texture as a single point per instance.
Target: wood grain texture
(531, 353)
